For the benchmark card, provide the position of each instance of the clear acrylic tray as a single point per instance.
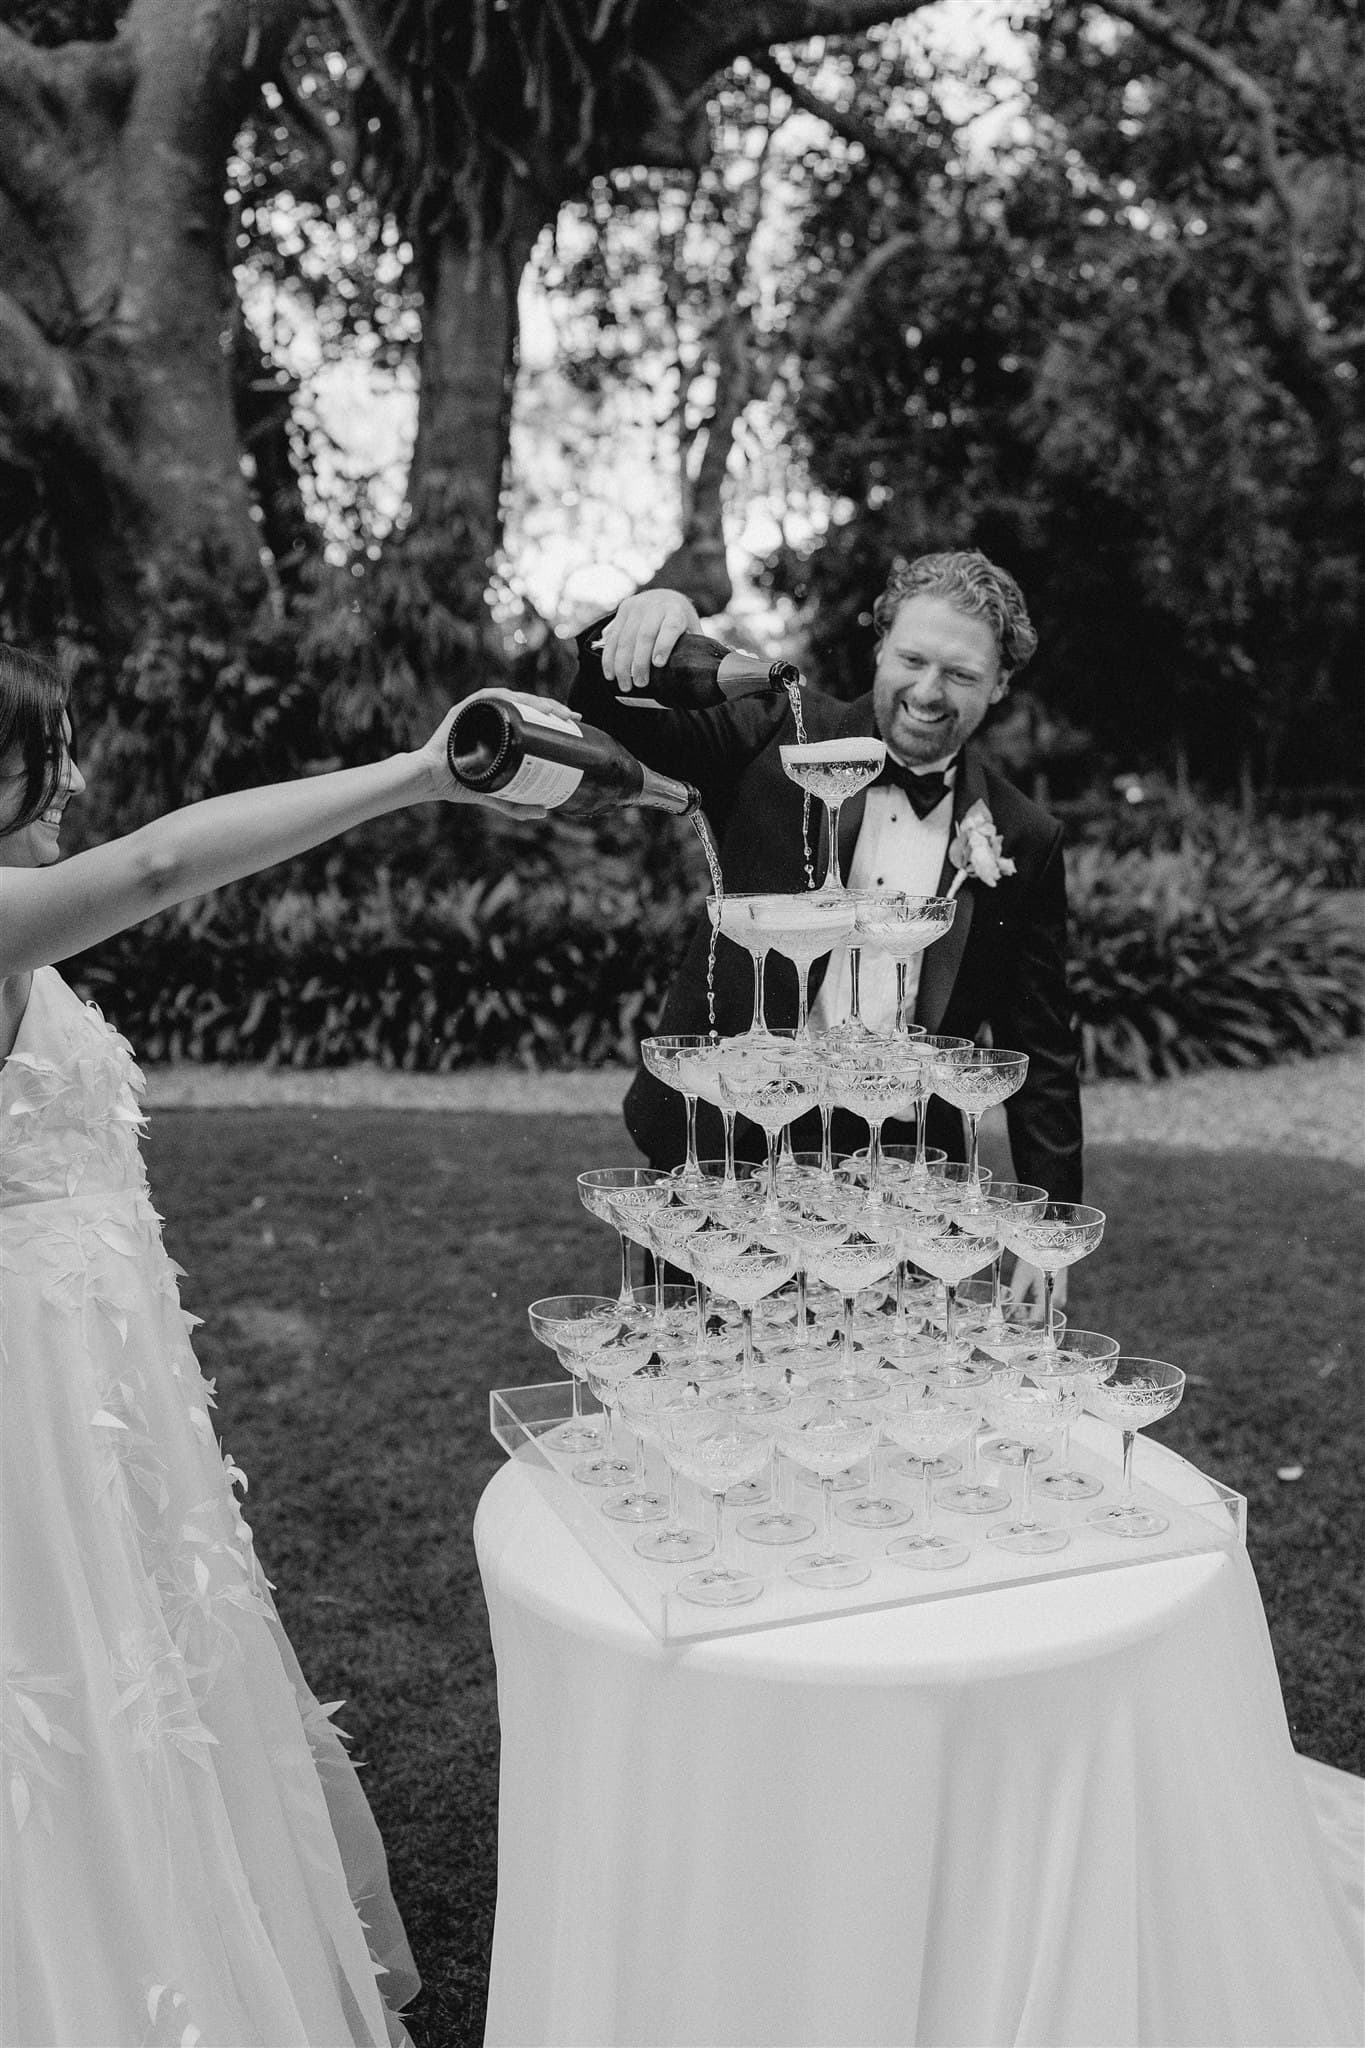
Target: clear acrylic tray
(1203, 1515)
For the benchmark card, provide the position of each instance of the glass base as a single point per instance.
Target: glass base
(874, 1511)
(978, 1499)
(907, 1467)
(603, 1472)
(748, 1400)
(842, 1482)
(701, 1367)
(673, 1546)
(722, 1586)
(829, 1568)
(636, 1506)
(749, 1493)
(582, 1437)
(1069, 1486)
(1128, 1521)
(1007, 1450)
(915, 1352)
(852, 1386)
(961, 1372)
(927, 1553)
(1030, 1537)
(773, 1526)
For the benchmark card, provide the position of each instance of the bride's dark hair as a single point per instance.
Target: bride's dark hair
(32, 705)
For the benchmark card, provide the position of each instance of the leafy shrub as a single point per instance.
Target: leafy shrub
(1201, 957)
(1320, 847)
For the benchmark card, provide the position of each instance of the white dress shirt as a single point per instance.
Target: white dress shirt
(895, 851)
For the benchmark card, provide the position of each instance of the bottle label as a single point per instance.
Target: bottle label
(549, 783)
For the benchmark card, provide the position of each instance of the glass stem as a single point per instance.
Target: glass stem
(874, 1160)
(926, 1495)
(759, 1023)
(827, 1140)
(1049, 1282)
(803, 997)
(834, 881)
(846, 1339)
(674, 1505)
(802, 1333)
(902, 1306)
(626, 1297)
(773, 1148)
(718, 1503)
(609, 1404)
(691, 1167)
(729, 1118)
(827, 1511)
(997, 1283)
(855, 968)
(902, 996)
(973, 1170)
(1026, 1489)
(949, 1311)
(746, 1372)
(920, 1171)
(703, 1303)
(1129, 1439)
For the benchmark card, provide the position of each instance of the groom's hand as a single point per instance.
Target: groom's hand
(1026, 1288)
(642, 633)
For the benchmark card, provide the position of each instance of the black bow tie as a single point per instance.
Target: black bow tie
(925, 792)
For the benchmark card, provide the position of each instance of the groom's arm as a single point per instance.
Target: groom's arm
(1034, 1013)
(710, 749)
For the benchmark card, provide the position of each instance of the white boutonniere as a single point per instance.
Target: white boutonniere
(977, 851)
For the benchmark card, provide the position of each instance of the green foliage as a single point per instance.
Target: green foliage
(1211, 954)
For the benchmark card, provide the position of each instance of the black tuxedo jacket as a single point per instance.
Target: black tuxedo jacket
(1000, 968)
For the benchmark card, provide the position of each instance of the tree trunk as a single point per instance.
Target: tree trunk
(118, 284)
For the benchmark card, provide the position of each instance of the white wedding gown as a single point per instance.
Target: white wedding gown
(187, 1855)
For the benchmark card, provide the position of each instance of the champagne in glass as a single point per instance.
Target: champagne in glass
(978, 1081)
(901, 926)
(833, 771)
(801, 929)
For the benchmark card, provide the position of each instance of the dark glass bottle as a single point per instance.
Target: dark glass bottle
(545, 757)
(699, 674)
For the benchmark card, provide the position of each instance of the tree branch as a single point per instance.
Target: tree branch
(39, 397)
(843, 120)
(368, 38)
(1256, 104)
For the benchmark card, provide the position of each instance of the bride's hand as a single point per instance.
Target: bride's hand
(444, 785)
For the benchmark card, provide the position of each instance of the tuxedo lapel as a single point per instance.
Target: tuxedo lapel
(943, 959)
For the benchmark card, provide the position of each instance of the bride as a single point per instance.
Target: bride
(188, 1856)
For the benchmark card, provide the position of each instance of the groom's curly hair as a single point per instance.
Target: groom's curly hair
(33, 702)
(968, 579)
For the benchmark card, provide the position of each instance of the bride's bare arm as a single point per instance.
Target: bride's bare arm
(49, 913)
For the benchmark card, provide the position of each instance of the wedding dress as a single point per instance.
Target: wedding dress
(187, 1856)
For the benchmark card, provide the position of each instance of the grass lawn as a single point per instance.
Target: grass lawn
(364, 1277)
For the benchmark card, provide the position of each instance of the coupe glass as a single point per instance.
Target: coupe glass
(1136, 1392)
(649, 1404)
(901, 927)
(673, 1059)
(601, 1189)
(1029, 1411)
(716, 1452)
(1057, 1236)
(734, 919)
(850, 1265)
(951, 1244)
(771, 1084)
(971, 1494)
(978, 1081)
(671, 1226)
(1083, 1357)
(808, 1229)
(627, 1351)
(574, 1325)
(744, 1270)
(939, 1055)
(801, 929)
(699, 1070)
(826, 1438)
(925, 1421)
(1001, 1197)
(833, 771)
(877, 1083)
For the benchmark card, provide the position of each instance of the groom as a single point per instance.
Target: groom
(952, 631)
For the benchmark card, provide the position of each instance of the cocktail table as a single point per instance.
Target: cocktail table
(1059, 1813)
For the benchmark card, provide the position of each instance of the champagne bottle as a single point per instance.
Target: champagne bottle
(543, 756)
(699, 674)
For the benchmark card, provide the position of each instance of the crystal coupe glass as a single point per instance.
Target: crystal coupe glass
(802, 928)
(978, 1081)
(1083, 1357)
(901, 926)
(716, 1452)
(1134, 1393)
(602, 1188)
(573, 1325)
(733, 918)
(833, 771)
(771, 1084)
(827, 1437)
(925, 1421)
(1056, 1236)
(1029, 1411)
(672, 1059)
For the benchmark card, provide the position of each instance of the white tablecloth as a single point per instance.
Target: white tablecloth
(1065, 1813)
